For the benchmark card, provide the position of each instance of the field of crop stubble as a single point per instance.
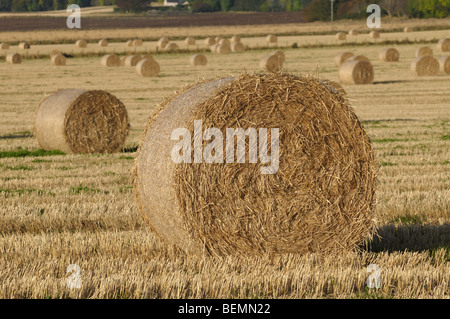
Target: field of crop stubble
(57, 210)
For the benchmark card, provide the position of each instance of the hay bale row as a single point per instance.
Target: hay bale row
(4, 46)
(425, 65)
(389, 55)
(272, 62)
(356, 72)
(423, 51)
(310, 203)
(444, 64)
(14, 58)
(79, 121)
(444, 45)
(198, 59)
(58, 60)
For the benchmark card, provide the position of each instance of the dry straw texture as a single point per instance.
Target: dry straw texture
(353, 32)
(132, 60)
(356, 72)
(24, 45)
(103, 43)
(81, 43)
(320, 200)
(58, 59)
(14, 58)
(198, 59)
(389, 55)
(444, 45)
(334, 86)
(137, 42)
(189, 41)
(111, 60)
(342, 57)
(341, 36)
(237, 47)
(425, 66)
(147, 68)
(79, 121)
(272, 62)
(444, 64)
(4, 46)
(271, 38)
(374, 34)
(423, 51)
(210, 41)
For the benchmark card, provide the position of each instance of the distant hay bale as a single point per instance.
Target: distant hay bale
(103, 43)
(237, 47)
(58, 59)
(198, 59)
(407, 29)
(223, 49)
(218, 39)
(423, 51)
(444, 64)
(79, 121)
(147, 68)
(129, 43)
(24, 45)
(210, 41)
(235, 39)
(54, 52)
(225, 42)
(359, 58)
(320, 199)
(162, 43)
(14, 58)
(374, 34)
(4, 46)
(111, 60)
(271, 38)
(444, 45)
(356, 72)
(353, 32)
(213, 48)
(81, 43)
(271, 63)
(342, 57)
(132, 60)
(171, 46)
(189, 41)
(138, 43)
(341, 36)
(389, 55)
(122, 59)
(425, 65)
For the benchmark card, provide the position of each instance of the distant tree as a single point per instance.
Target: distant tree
(132, 5)
(5, 5)
(318, 10)
(200, 6)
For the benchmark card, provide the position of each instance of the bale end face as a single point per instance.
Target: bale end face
(198, 59)
(425, 66)
(147, 68)
(111, 60)
(389, 55)
(444, 64)
(14, 58)
(58, 60)
(356, 72)
(444, 45)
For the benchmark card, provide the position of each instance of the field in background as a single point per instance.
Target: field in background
(57, 210)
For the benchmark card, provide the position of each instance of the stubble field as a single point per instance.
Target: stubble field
(57, 210)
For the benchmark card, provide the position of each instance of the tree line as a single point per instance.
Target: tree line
(312, 9)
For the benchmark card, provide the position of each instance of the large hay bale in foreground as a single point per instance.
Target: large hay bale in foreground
(389, 55)
(444, 64)
(4, 46)
(198, 59)
(81, 43)
(424, 51)
(318, 199)
(341, 36)
(103, 43)
(147, 68)
(111, 60)
(132, 60)
(272, 62)
(58, 60)
(271, 38)
(79, 121)
(24, 45)
(425, 66)
(237, 47)
(356, 72)
(444, 45)
(14, 58)
(342, 57)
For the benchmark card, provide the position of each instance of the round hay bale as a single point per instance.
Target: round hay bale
(353, 32)
(280, 55)
(198, 59)
(235, 39)
(356, 72)
(81, 43)
(54, 52)
(4, 46)
(444, 64)
(341, 36)
(225, 42)
(218, 39)
(359, 58)
(319, 200)
(129, 43)
(137, 42)
(223, 49)
(237, 47)
(425, 65)
(444, 45)
(132, 60)
(389, 55)
(171, 46)
(24, 45)
(148, 56)
(213, 48)
(111, 60)
(103, 43)
(342, 57)
(58, 59)
(374, 34)
(271, 38)
(271, 63)
(210, 41)
(14, 58)
(423, 51)
(147, 68)
(79, 121)
(407, 29)
(189, 41)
